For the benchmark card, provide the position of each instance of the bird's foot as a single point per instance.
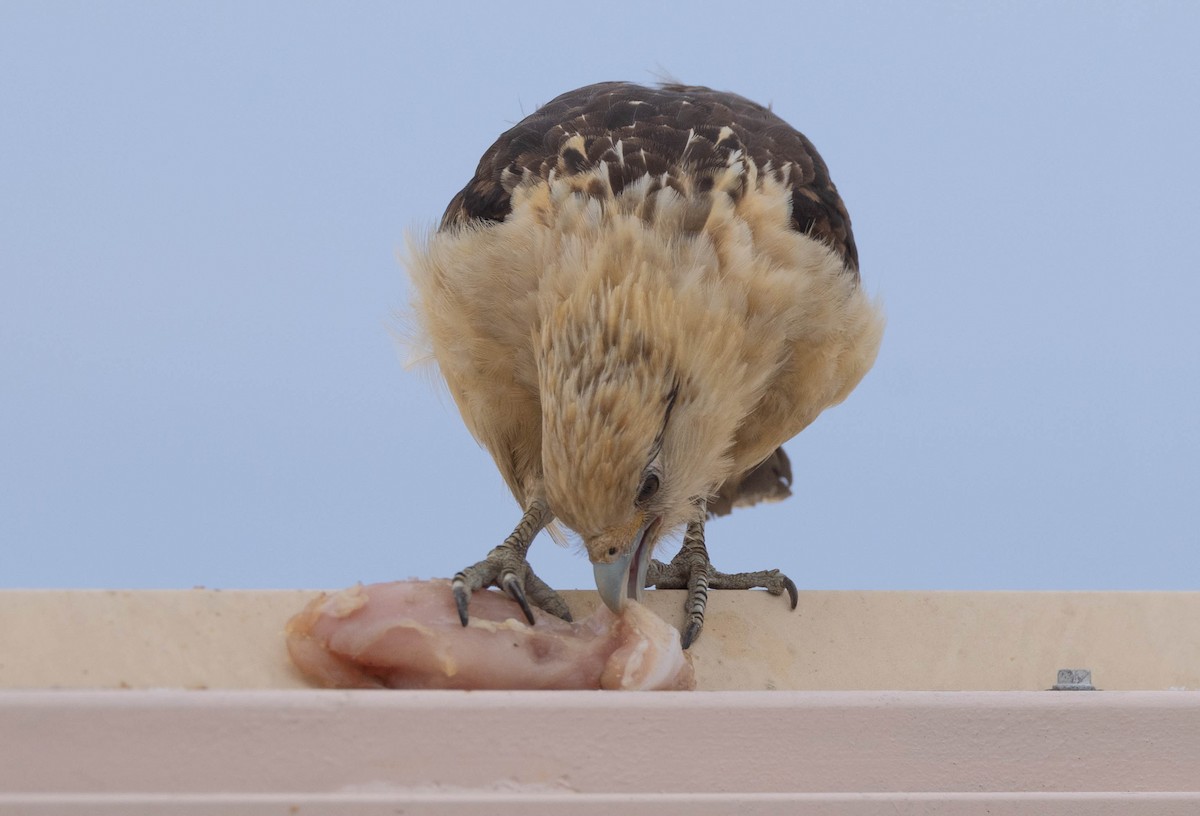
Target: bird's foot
(691, 569)
(507, 568)
(509, 571)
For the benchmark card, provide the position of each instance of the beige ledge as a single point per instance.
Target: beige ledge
(966, 641)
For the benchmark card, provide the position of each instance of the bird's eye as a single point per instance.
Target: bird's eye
(648, 488)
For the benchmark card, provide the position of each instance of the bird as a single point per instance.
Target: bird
(642, 293)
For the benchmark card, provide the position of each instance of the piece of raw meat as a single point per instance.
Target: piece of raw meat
(408, 635)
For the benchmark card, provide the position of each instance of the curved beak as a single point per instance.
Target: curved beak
(624, 577)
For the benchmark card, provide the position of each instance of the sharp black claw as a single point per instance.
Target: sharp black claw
(793, 594)
(461, 599)
(691, 633)
(513, 587)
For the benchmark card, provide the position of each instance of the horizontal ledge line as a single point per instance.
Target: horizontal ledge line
(569, 798)
(453, 700)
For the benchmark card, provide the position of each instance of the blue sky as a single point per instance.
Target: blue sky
(201, 207)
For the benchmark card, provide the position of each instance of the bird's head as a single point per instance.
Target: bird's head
(643, 383)
(613, 478)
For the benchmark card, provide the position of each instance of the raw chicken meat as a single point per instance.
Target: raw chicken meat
(407, 635)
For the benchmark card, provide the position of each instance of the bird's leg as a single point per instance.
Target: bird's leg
(692, 570)
(507, 568)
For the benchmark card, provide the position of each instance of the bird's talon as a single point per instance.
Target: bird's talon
(793, 593)
(513, 587)
(461, 599)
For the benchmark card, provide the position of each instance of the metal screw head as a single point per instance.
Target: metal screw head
(1074, 680)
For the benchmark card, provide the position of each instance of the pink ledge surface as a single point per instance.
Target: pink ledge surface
(364, 752)
(183, 702)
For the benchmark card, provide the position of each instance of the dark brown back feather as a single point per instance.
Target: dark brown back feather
(771, 481)
(653, 126)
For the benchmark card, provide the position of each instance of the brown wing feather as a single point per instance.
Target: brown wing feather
(653, 126)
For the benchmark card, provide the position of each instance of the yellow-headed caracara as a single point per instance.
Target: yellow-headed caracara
(641, 295)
